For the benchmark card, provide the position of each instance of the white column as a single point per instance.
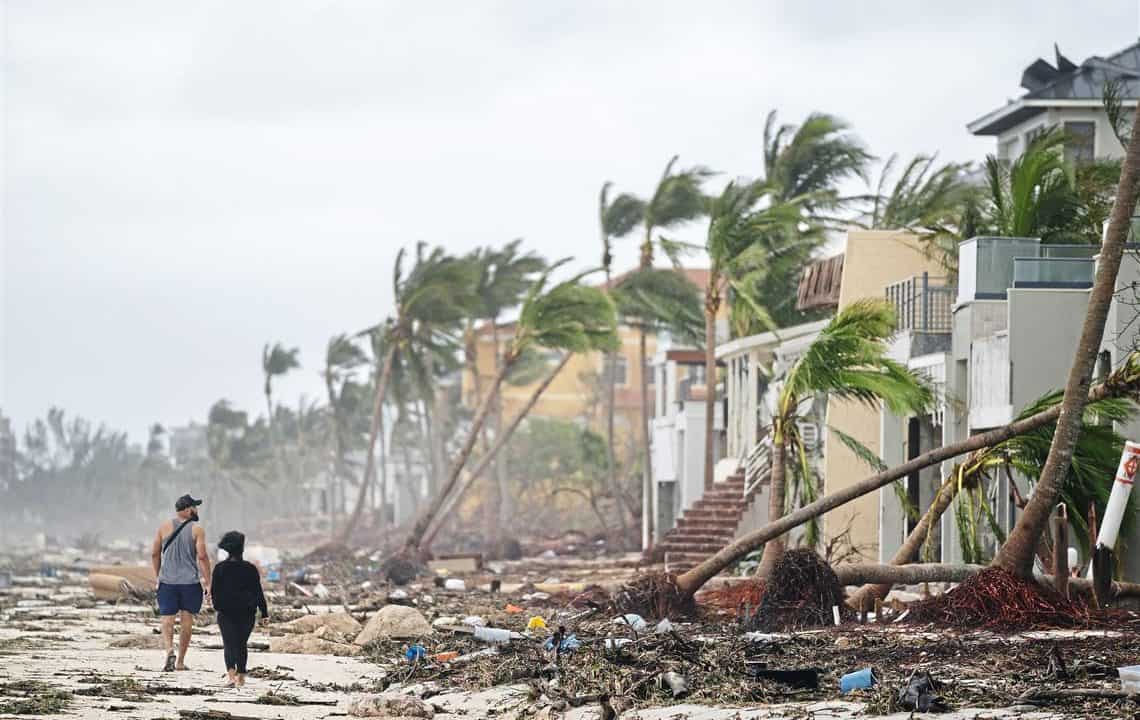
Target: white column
(753, 402)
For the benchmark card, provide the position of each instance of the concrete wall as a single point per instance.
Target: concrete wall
(1044, 327)
(874, 259)
(1012, 142)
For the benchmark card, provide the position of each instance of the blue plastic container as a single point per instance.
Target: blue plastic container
(858, 680)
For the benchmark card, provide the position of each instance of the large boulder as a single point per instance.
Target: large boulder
(340, 623)
(394, 622)
(310, 645)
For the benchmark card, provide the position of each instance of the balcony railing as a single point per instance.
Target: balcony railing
(923, 304)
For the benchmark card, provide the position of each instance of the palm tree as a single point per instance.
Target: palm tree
(276, 361)
(570, 317)
(342, 358)
(1016, 555)
(504, 275)
(436, 291)
(739, 242)
(676, 201)
(849, 362)
(617, 218)
(1095, 458)
(1035, 195)
(1124, 382)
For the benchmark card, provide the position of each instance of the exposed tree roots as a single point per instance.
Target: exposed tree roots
(655, 595)
(801, 593)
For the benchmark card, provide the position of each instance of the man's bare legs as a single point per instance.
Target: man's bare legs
(186, 628)
(168, 640)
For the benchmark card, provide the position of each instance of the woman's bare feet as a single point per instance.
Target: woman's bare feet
(240, 680)
(231, 678)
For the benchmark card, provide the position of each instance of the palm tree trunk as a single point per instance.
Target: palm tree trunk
(908, 551)
(692, 580)
(415, 537)
(1016, 555)
(647, 477)
(854, 574)
(370, 458)
(503, 497)
(382, 508)
(338, 451)
(712, 304)
(774, 548)
(501, 440)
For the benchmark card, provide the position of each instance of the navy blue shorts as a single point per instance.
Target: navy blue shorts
(172, 598)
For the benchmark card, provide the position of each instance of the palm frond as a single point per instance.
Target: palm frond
(661, 299)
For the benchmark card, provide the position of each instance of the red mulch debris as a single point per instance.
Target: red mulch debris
(996, 599)
(738, 599)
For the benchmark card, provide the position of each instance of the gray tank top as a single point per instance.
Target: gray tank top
(180, 559)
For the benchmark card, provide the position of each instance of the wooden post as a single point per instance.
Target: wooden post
(1060, 522)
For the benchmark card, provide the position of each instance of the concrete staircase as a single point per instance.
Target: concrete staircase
(707, 526)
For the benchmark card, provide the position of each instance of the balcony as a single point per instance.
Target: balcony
(923, 304)
(989, 266)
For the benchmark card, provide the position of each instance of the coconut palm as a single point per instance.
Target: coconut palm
(568, 316)
(276, 361)
(744, 230)
(1016, 555)
(617, 218)
(504, 275)
(342, 358)
(437, 291)
(676, 201)
(1034, 195)
(1094, 458)
(849, 362)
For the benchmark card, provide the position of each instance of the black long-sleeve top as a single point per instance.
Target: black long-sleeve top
(236, 588)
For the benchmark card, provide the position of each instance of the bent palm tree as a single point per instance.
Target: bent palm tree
(436, 291)
(617, 219)
(276, 361)
(1125, 382)
(342, 358)
(570, 317)
(1016, 555)
(1033, 196)
(738, 241)
(1095, 458)
(848, 361)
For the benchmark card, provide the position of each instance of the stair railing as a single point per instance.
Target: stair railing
(758, 466)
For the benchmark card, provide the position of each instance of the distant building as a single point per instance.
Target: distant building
(1070, 97)
(188, 444)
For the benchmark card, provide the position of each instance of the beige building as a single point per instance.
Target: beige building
(873, 261)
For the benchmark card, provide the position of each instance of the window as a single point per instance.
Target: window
(1080, 142)
(697, 374)
(619, 369)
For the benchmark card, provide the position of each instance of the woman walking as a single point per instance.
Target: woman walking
(236, 590)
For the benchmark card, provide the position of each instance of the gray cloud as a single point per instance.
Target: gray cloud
(186, 181)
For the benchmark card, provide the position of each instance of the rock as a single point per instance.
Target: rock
(444, 621)
(391, 706)
(394, 621)
(340, 622)
(310, 645)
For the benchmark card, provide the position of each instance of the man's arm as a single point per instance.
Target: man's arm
(203, 557)
(156, 553)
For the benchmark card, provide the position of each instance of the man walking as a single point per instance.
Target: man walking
(183, 569)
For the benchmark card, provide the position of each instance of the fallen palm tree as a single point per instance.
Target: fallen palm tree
(1095, 458)
(918, 573)
(1125, 382)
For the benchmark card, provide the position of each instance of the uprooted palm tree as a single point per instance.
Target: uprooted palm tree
(1016, 555)
(848, 361)
(1124, 382)
(1094, 458)
(569, 316)
(437, 292)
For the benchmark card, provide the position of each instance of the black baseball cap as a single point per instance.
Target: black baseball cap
(185, 502)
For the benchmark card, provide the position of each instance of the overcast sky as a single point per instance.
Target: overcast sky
(185, 181)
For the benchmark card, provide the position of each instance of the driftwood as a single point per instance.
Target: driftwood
(935, 572)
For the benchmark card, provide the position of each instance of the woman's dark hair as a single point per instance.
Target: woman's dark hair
(233, 543)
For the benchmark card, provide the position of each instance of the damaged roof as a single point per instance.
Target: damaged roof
(1064, 83)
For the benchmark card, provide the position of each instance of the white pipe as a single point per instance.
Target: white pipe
(1118, 500)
